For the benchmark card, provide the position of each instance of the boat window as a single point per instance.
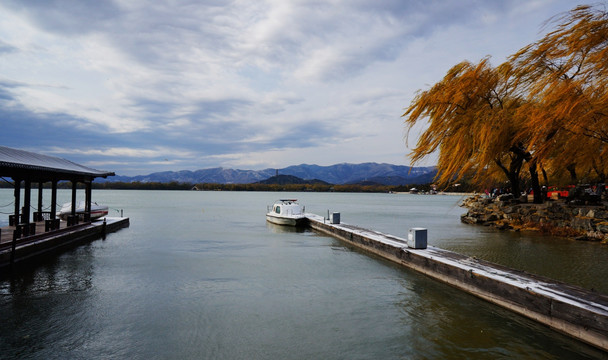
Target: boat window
(278, 209)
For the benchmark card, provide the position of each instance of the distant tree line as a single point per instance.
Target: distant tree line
(464, 187)
(174, 185)
(138, 185)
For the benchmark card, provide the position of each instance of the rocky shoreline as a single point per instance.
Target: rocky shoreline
(555, 217)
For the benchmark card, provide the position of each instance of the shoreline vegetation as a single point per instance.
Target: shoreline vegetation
(316, 187)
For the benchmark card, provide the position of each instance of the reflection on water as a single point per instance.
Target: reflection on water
(32, 304)
(200, 278)
(285, 229)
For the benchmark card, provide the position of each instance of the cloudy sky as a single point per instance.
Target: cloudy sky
(142, 86)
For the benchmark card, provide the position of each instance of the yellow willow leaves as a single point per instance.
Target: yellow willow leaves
(566, 74)
(471, 113)
(548, 102)
(567, 70)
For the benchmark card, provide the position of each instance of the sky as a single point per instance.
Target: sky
(137, 87)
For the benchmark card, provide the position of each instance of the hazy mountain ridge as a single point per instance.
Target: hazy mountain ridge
(345, 173)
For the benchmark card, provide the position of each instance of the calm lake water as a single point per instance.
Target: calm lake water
(201, 275)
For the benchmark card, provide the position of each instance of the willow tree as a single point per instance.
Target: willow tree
(565, 74)
(473, 124)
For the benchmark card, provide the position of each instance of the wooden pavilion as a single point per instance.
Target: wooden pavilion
(27, 168)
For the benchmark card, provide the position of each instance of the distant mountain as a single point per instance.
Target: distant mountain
(385, 174)
(290, 179)
(352, 173)
(211, 175)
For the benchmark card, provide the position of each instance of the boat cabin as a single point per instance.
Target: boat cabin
(287, 207)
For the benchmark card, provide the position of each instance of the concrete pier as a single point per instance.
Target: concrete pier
(574, 311)
(43, 243)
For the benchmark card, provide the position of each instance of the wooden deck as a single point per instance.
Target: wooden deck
(42, 243)
(6, 233)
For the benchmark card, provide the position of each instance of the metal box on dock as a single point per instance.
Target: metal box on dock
(416, 238)
(334, 218)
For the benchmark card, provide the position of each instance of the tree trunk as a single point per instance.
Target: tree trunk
(514, 179)
(600, 174)
(538, 196)
(545, 176)
(512, 173)
(520, 155)
(572, 170)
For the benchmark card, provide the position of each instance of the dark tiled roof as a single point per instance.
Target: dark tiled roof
(19, 162)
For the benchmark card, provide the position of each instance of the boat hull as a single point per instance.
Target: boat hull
(97, 211)
(286, 220)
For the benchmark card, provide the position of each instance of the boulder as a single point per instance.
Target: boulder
(506, 213)
(582, 223)
(602, 227)
(505, 197)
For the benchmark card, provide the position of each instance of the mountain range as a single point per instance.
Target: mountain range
(385, 174)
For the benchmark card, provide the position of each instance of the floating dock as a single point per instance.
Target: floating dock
(572, 310)
(43, 243)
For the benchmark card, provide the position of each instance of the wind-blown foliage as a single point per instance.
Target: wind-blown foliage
(545, 110)
(473, 123)
(566, 73)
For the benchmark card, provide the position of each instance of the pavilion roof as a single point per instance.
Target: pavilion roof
(37, 167)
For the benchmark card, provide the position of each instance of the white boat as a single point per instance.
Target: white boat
(286, 212)
(97, 210)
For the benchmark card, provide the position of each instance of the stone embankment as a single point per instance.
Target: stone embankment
(556, 217)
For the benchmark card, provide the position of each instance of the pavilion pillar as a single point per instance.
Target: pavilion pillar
(54, 199)
(16, 220)
(73, 218)
(27, 199)
(39, 218)
(87, 203)
(73, 197)
(17, 213)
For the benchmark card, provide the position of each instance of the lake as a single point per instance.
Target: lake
(201, 275)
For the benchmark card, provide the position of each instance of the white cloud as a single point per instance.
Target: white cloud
(123, 152)
(260, 84)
